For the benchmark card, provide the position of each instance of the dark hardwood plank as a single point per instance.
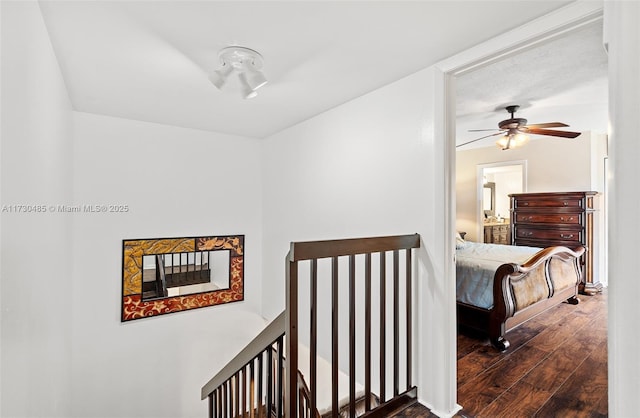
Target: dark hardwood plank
(557, 334)
(415, 411)
(556, 366)
(486, 387)
(539, 385)
(582, 390)
(522, 400)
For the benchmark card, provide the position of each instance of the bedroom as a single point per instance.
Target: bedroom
(563, 80)
(85, 161)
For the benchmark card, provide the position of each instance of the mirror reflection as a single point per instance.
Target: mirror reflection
(489, 199)
(178, 274)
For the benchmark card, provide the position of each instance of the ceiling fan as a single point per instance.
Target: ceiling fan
(514, 131)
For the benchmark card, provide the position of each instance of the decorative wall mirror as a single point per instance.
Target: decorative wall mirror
(161, 276)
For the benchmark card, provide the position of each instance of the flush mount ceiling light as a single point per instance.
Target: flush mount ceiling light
(246, 63)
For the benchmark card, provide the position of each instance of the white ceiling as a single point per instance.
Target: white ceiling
(149, 60)
(564, 80)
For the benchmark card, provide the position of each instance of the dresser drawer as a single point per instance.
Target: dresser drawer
(546, 243)
(501, 229)
(552, 218)
(497, 234)
(551, 202)
(548, 234)
(501, 239)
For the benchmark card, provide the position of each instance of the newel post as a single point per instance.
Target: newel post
(291, 352)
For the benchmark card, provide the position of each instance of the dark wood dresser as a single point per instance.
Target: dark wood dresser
(565, 218)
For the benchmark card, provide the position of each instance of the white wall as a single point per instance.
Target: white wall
(365, 168)
(176, 182)
(36, 169)
(622, 32)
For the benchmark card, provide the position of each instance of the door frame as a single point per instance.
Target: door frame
(548, 27)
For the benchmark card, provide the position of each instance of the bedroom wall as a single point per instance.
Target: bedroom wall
(553, 165)
(36, 169)
(366, 168)
(176, 182)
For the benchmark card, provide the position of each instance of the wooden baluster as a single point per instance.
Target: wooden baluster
(409, 307)
(236, 379)
(334, 336)
(225, 400)
(270, 380)
(383, 303)
(352, 335)
(367, 332)
(244, 392)
(396, 324)
(252, 394)
(313, 357)
(280, 392)
(260, 385)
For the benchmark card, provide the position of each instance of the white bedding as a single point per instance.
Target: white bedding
(476, 264)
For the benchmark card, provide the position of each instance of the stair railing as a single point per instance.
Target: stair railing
(238, 390)
(350, 248)
(264, 379)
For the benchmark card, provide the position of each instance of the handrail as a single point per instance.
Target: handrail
(351, 246)
(267, 337)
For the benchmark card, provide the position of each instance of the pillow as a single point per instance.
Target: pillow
(460, 242)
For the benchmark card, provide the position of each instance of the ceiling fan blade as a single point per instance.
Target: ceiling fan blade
(550, 132)
(478, 139)
(481, 130)
(547, 125)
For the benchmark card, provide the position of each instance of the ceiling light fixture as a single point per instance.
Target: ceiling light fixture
(247, 63)
(513, 139)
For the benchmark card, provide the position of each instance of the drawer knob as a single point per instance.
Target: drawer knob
(566, 236)
(563, 219)
(565, 203)
(526, 234)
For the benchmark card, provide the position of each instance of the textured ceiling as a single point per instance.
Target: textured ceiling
(149, 60)
(564, 80)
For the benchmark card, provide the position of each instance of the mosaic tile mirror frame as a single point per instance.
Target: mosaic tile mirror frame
(166, 275)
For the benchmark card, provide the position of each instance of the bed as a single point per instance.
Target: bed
(498, 287)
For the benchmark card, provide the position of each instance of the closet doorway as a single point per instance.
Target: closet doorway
(495, 182)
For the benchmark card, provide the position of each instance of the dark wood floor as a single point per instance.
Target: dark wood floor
(556, 367)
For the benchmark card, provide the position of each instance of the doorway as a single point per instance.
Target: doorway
(495, 182)
(475, 59)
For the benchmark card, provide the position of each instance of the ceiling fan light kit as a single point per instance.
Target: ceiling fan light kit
(246, 63)
(512, 140)
(516, 132)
